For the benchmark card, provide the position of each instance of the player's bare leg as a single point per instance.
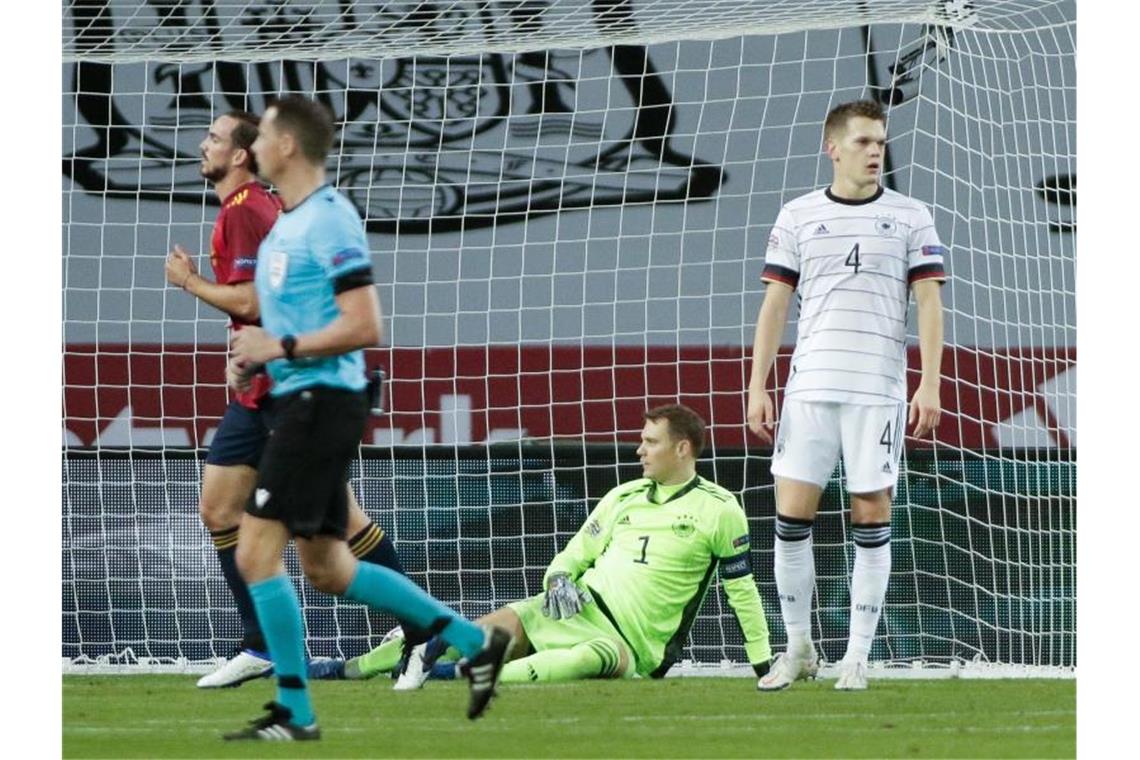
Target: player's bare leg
(358, 520)
(796, 505)
(508, 620)
(796, 498)
(871, 528)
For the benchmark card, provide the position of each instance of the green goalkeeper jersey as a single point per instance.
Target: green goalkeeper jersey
(649, 564)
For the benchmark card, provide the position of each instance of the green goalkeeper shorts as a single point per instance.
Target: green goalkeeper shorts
(588, 624)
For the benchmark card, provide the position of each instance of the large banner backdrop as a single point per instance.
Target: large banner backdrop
(562, 227)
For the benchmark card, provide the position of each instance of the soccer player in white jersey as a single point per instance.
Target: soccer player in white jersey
(854, 251)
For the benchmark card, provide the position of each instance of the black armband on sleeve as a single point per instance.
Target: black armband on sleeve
(357, 278)
(736, 567)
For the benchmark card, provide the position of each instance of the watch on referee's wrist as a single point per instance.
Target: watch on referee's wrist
(289, 345)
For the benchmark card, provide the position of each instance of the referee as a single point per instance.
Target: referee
(319, 311)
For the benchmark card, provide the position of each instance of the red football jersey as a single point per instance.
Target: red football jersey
(245, 219)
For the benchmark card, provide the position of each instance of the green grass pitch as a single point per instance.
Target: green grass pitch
(166, 716)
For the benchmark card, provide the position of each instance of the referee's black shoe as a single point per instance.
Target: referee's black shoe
(483, 670)
(275, 726)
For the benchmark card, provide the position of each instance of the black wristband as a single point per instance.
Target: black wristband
(288, 345)
(761, 668)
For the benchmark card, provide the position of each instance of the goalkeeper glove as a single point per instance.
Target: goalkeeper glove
(563, 598)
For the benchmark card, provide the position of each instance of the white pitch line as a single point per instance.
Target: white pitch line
(733, 717)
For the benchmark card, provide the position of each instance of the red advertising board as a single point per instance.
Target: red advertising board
(173, 395)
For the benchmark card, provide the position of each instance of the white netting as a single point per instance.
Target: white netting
(565, 230)
(253, 30)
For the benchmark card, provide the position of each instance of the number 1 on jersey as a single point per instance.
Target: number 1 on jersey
(644, 545)
(853, 258)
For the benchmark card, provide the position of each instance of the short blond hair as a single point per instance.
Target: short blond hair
(838, 117)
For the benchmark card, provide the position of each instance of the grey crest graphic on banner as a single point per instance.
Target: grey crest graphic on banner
(426, 143)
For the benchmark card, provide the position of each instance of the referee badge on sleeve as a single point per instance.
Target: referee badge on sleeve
(278, 266)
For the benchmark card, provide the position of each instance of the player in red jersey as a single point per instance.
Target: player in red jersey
(228, 478)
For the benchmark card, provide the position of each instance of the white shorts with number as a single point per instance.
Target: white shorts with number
(812, 434)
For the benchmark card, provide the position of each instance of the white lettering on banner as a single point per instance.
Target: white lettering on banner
(455, 426)
(397, 437)
(122, 431)
(455, 418)
(1042, 424)
(1035, 406)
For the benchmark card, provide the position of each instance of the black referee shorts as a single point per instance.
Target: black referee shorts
(302, 475)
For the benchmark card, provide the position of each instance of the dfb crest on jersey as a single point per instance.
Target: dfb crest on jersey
(684, 526)
(885, 225)
(425, 143)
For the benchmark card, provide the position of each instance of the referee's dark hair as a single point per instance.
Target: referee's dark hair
(684, 423)
(310, 122)
(243, 135)
(838, 117)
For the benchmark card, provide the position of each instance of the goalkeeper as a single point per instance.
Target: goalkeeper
(622, 595)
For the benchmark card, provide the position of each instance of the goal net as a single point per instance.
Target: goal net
(568, 205)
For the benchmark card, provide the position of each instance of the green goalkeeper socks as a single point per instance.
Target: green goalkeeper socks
(597, 658)
(382, 659)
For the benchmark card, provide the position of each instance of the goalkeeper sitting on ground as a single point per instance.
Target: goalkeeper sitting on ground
(622, 595)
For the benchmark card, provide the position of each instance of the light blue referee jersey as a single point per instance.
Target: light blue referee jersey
(298, 263)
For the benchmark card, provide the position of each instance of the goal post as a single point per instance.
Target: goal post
(567, 206)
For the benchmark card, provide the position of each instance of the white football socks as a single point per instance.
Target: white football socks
(795, 581)
(869, 581)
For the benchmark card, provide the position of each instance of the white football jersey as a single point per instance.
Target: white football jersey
(853, 263)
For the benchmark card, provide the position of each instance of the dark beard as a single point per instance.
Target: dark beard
(215, 175)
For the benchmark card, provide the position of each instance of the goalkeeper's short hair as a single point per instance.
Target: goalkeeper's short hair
(684, 423)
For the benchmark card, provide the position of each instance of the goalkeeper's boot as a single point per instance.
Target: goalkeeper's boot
(275, 726)
(417, 665)
(354, 670)
(483, 670)
(414, 673)
(852, 676)
(788, 669)
(246, 665)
